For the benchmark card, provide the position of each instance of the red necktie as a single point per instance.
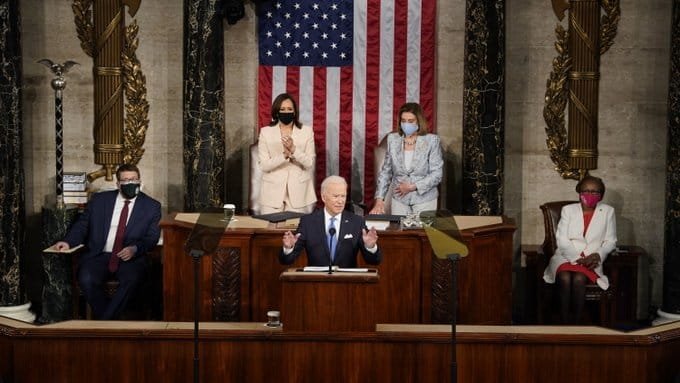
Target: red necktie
(118, 242)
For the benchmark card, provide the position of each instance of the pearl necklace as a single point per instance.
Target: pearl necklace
(410, 141)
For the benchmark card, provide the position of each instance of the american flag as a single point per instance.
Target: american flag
(350, 65)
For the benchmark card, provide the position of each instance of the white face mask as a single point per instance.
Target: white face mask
(409, 128)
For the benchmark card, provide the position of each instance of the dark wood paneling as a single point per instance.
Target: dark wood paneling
(7, 353)
(330, 302)
(414, 286)
(154, 351)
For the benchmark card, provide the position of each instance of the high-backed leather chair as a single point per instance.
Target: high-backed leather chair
(546, 297)
(255, 181)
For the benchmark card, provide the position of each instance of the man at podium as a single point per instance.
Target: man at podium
(332, 235)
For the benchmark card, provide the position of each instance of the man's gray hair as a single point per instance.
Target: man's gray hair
(332, 180)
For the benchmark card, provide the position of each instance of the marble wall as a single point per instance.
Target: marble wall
(632, 108)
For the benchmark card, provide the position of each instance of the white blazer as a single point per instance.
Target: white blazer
(600, 238)
(280, 174)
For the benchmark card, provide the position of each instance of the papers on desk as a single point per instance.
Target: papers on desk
(288, 224)
(381, 221)
(336, 268)
(472, 221)
(245, 222)
(53, 249)
(379, 225)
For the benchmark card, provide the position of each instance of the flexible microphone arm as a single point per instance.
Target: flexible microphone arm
(331, 231)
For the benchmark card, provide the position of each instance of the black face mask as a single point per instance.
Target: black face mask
(286, 118)
(129, 191)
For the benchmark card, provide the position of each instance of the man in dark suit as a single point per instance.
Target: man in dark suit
(118, 228)
(332, 228)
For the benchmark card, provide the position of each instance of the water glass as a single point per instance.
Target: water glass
(229, 211)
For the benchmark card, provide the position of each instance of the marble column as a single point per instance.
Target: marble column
(483, 112)
(671, 266)
(12, 206)
(57, 292)
(204, 142)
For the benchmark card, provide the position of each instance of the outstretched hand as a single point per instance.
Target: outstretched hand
(289, 239)
(370, 237)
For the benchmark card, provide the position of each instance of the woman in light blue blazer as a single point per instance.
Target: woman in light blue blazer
(585, 235)
(413, 166)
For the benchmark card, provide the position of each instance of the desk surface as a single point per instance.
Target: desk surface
(510, 334)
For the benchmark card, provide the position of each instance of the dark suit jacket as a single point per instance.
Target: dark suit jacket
(93, 225)
(313, 239)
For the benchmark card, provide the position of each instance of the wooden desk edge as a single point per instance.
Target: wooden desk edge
(397, 332)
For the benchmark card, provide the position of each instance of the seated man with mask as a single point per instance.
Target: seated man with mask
(118, 228)
(332, 235)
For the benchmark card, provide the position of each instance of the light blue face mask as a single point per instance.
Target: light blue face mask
(409, 128)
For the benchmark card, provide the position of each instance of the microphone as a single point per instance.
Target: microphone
(331, 232)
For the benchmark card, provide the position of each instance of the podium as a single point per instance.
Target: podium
(318, 301)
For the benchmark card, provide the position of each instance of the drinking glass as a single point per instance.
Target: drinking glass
(229, 209)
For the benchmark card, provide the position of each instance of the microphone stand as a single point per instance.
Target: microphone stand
(196, 255)
(454, 299)
(204, 239)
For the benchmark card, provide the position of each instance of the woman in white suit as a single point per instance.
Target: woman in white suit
(412, 167)
(286, 155)
(586, 234)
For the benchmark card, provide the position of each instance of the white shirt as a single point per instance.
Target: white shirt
(408, 158)
(113, 227)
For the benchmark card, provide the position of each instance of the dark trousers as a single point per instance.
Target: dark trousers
(94, 272)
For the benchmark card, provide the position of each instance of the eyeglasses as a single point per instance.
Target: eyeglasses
(127, 182)
(591, 191)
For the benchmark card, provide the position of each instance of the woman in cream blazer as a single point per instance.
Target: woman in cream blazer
(286, 155)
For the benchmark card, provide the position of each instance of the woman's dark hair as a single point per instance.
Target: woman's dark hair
(277, 105)
(597, 180)
(417, 110)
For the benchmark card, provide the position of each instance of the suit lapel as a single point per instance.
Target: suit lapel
(398, 150)
(575, 229)
(595, 223)
(320, 223)
(419, 152)
(345, 229)
(274, 139)
(109, 201)
(137, 211)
